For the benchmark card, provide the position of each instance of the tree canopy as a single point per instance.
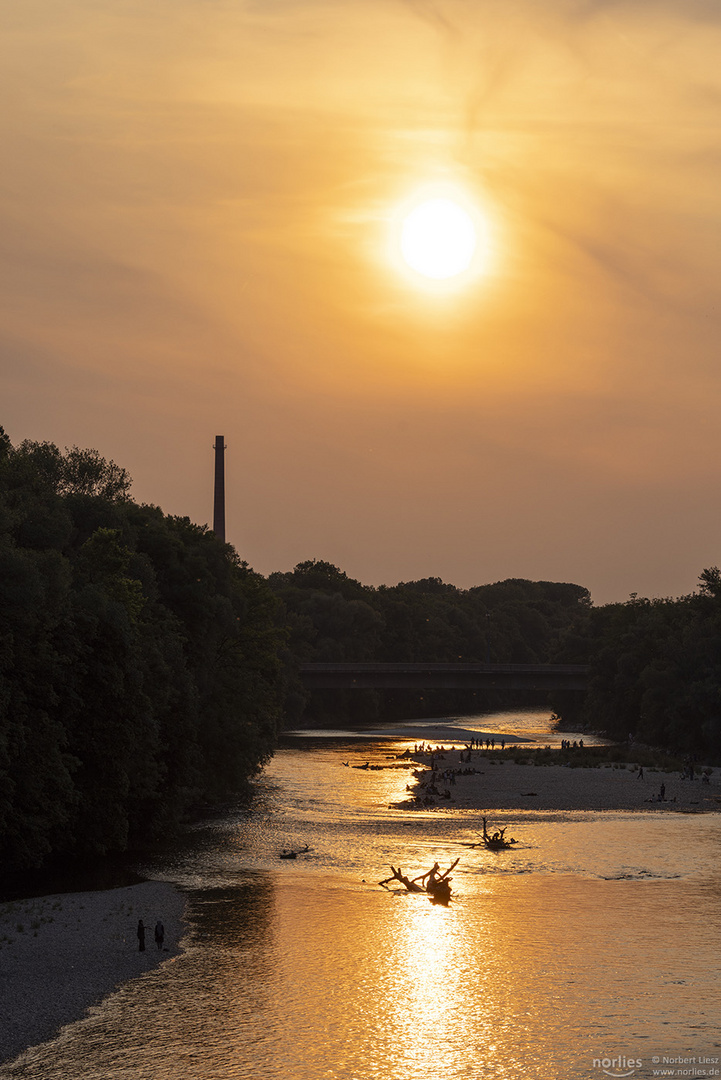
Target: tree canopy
(656, 670)
(145, 668)
(139, 660)
(331, 617)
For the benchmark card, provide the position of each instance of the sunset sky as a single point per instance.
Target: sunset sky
(197, 211)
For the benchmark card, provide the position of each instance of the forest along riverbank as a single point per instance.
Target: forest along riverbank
(61, 954)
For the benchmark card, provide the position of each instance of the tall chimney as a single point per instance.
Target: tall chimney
(219, 494)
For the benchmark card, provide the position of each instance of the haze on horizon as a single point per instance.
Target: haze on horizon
(195, 215)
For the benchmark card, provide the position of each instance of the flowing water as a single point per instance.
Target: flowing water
(591, 949)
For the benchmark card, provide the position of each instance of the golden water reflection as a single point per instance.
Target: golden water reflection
(598, 934)
(531, 978)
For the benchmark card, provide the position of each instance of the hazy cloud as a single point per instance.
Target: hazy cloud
(195, 215)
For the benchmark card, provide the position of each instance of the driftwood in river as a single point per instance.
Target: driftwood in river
(288, 853)
(438, 886)
(496, 841)
(398, 875)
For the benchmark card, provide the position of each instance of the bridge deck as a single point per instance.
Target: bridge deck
(444, 676)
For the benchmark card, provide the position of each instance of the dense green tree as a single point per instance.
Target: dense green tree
(333, 618)
(139, 660)
(656, 670)
(144, 667)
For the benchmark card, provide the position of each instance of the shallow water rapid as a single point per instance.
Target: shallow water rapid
(589, 950)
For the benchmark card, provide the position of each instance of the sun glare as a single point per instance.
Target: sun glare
(440, 238)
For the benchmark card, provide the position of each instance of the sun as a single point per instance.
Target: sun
(438, 239)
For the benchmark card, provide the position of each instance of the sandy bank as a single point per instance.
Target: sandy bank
(503, 785)
(61, 954)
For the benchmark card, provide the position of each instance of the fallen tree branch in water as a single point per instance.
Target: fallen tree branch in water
(436, 885)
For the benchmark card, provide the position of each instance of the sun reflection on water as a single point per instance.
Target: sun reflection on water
(596, 933)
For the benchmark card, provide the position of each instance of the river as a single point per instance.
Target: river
(590, 950)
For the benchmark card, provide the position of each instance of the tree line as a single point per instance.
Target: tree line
(145, 669)
(654, 665)
(139, 661)
(330, 617)
(655, 670)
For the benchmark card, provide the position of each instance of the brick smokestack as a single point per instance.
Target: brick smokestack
(219, 494)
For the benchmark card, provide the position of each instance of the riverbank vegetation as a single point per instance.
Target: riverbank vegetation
(139, 670)
(613, 756)
(654, 665)
(655, 670)
(333, 618)
(146, 669)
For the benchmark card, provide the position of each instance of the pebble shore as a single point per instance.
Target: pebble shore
(502, 784)
(61, 954)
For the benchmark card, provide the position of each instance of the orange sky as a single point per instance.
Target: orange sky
(196, 204)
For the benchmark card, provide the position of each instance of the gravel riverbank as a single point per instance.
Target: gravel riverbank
(502, 784)
(63, 953)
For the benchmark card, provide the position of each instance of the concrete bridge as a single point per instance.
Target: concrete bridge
(539, 677)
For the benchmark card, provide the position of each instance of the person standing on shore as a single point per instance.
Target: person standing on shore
(159, 934)
(141, 935)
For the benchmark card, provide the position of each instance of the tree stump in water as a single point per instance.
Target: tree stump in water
(438, 886)
(496, 841)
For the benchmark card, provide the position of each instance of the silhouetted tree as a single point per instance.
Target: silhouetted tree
(139, 660)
